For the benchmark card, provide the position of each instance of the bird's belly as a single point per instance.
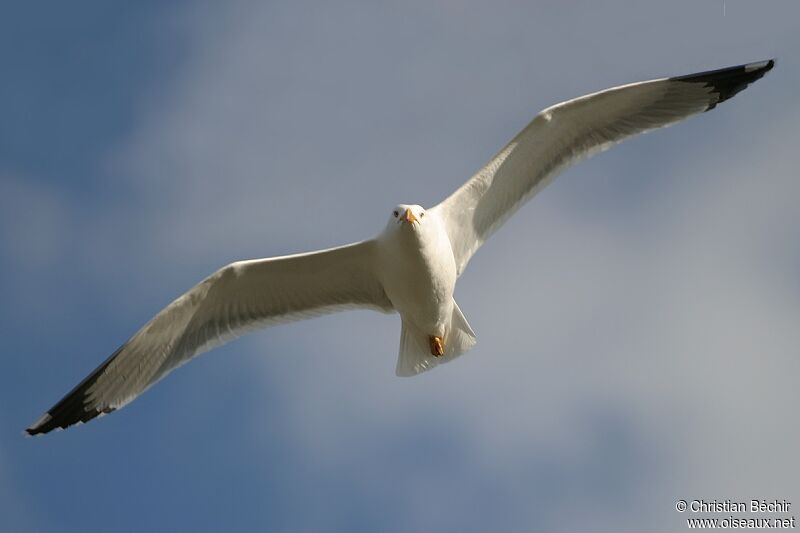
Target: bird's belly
(422, 293)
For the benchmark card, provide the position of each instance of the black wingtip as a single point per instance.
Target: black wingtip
(73, 408)
(64, 419)
(727, 82)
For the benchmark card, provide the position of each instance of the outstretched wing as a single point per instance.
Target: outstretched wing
(236, 299)
(570, 131)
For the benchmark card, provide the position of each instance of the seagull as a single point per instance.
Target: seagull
(411, 267)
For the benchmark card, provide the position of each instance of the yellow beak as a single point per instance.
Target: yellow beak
(409, 217)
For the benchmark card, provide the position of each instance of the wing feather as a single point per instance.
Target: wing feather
(568, 132)
(237, 299)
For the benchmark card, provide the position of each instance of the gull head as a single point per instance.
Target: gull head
(407, 217)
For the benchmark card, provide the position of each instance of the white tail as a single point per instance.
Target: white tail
(415, 350)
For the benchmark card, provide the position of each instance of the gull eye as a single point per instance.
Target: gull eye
(422, 214)
(396, 213)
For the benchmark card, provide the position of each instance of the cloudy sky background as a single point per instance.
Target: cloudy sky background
(637, 321)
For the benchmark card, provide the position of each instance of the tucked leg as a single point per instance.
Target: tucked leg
(437, 346)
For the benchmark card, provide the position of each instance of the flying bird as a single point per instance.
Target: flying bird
(411, 267)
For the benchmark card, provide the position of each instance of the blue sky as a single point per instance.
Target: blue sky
(637, 321)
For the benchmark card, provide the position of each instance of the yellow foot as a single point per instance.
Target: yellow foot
(437, 346)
